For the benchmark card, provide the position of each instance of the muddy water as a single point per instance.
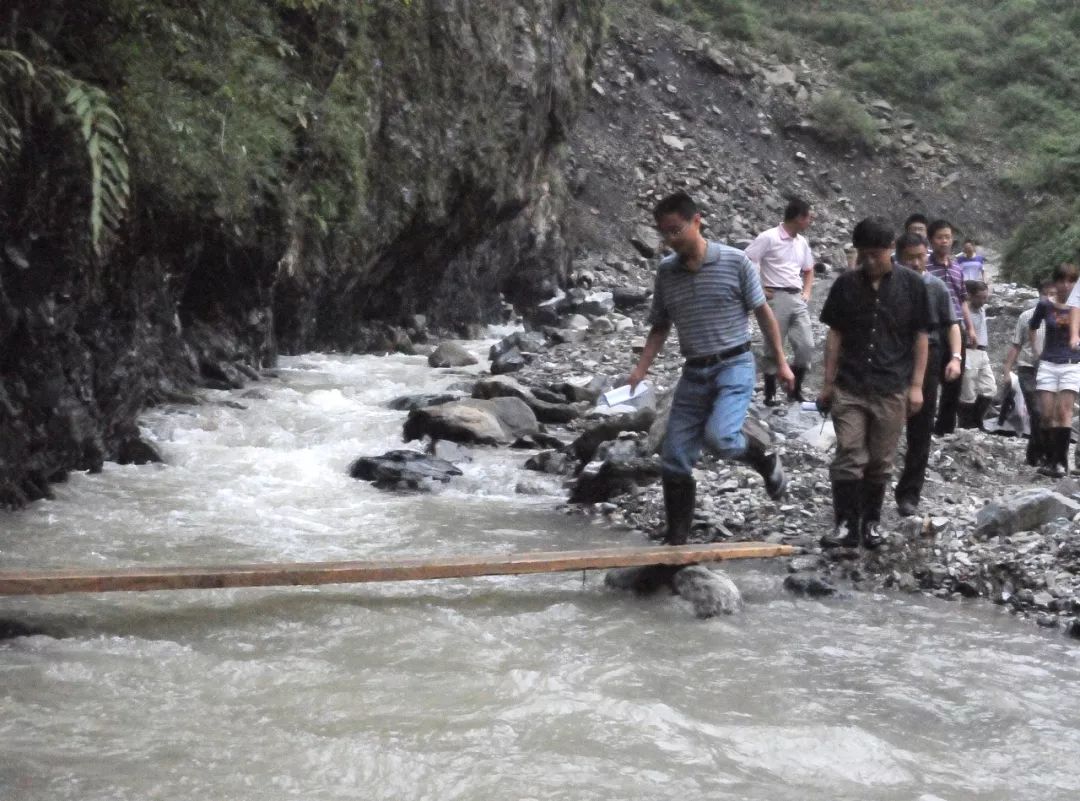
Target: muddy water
(536, 687)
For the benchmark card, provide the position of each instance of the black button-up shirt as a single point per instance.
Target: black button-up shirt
(878, 329)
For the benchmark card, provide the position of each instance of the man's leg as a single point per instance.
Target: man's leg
(801, 333)
(727, 433)
(887, 415)
(768, 360)
(950, 399)
(849, 416)
(968, 395)
(690, 408)
(919, 427)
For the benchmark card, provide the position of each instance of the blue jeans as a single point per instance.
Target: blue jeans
(709, 409)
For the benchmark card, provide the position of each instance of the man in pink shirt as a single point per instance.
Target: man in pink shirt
(786, 265)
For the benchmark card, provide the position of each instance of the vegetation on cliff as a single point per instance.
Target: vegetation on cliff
(1002, 72)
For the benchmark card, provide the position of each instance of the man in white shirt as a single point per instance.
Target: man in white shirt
(786, 265)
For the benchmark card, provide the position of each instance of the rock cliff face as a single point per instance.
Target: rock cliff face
(406, 162)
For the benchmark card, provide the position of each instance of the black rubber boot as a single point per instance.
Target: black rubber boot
(796, 391)
(978, 413)
(679, 497)
(766, 463)
(1056, 452)
(1061, 455)
(770, 390)
(965, 415)
(873, 496)
(847, 515)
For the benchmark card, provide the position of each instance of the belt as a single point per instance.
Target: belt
(790, 289)
(980, 347)
(716, 358)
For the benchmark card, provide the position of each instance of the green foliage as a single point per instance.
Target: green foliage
(734, 18)
(995, 70)
(1048, 236)
(79, 106)
(843, 122)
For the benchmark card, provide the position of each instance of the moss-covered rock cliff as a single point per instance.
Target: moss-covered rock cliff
(303, 174)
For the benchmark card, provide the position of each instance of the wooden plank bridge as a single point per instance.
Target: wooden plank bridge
(142, 579)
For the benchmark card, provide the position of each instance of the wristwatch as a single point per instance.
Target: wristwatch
(958, 356)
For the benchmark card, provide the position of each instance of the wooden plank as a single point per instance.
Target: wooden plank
(141, 579)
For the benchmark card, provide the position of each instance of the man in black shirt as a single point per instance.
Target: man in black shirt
(875, 359)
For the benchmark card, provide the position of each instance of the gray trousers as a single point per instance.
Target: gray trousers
(793, 317)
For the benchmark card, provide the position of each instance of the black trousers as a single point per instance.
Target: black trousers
(949, 404)
(919, 426)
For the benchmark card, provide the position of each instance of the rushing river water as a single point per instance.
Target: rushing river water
(534, 687)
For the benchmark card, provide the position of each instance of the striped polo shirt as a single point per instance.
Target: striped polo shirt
(711, 306)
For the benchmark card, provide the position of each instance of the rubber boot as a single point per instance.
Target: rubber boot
(1055, 448)
(796, 391)
(873, 495)
(1061, 457)
(679, 497)
(965, 415)
(846, 514)
(766, 463)
(770, 390)
(978, 414)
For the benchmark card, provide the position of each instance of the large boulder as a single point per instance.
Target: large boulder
(460, 421)
(546, 410)
(1026, 510)
(411, 468)
(451, 354)
(513, 414)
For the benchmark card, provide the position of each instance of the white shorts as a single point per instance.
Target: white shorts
(1057, 377)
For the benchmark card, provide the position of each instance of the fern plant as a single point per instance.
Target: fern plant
(86, 109)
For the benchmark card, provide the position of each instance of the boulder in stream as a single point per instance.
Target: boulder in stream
(394, 468)
(451, 354)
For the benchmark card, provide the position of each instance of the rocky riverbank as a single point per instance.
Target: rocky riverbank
(989, 526)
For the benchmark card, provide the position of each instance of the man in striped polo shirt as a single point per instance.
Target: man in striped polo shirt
(783, 256)
(708, 291)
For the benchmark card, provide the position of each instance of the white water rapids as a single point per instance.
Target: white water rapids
(532, 687)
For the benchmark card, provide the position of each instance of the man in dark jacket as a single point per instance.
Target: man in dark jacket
(875, 360)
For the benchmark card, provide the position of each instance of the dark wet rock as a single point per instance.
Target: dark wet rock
(709, 591)
(539, 440)
(136, 450)
(407, 403)
(10, 629)
(588, 392)
(522, 341)
(451, 354)
(629, 298)
(554, 462)
(411, 468)
(608, 428)
(1023, 511)
(602, 481)
(809, 585)
(643, 580)
(500, 386)
(509, 362)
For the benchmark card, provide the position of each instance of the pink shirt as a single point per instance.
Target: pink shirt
(782, 258)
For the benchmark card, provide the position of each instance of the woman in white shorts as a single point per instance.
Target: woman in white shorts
(1058, 379)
